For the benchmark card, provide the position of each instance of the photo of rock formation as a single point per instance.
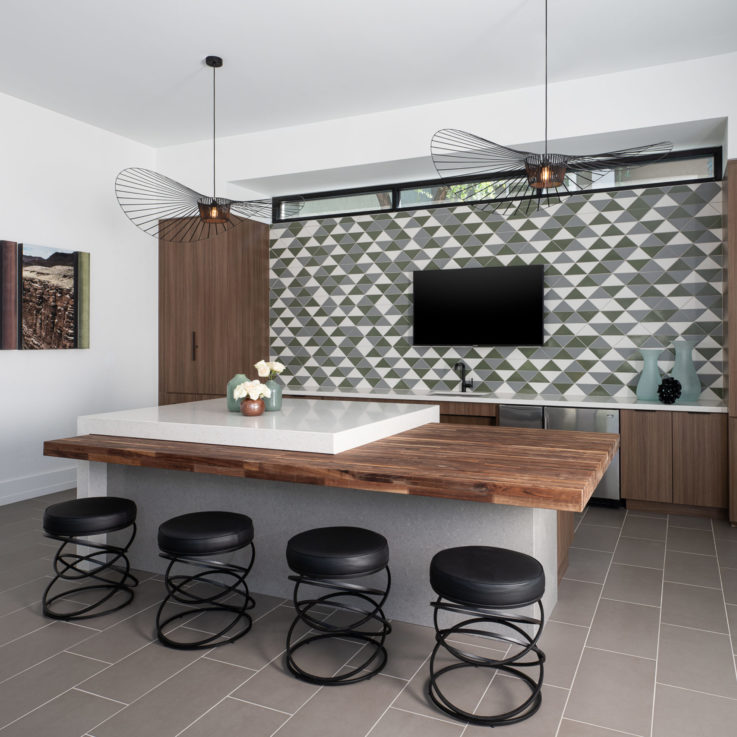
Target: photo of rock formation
(48, 299)
(44, 297)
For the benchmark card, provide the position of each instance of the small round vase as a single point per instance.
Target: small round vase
(685, 372)
(273, 403)
(252, 407)
(647, 386)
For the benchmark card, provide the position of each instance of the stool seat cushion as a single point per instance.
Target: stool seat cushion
(89, 516)
(205, 533)
(328, 552)
(486, 576)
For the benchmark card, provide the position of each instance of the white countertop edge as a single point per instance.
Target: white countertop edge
(257, 432)
(701, 405)
(380, 429)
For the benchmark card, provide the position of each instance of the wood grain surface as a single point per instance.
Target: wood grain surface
(550, 469)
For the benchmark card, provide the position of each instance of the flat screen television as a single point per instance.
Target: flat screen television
(490, 306)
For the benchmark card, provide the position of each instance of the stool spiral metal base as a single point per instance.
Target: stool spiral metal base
(339, 599)
(74, 523)
(475, 582)
(329, 558)
(70, 566)
(510, 665)
(179, 589)
(195, 539)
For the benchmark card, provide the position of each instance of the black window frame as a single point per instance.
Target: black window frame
(396, 188)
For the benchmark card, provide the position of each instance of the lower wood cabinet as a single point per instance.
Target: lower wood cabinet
(674, 457)
(181, 397)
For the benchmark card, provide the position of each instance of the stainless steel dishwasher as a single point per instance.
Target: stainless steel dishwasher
(590, 420)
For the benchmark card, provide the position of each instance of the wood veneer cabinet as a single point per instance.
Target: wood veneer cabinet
(674, 457)
(646, 455)
(213, 311)
(700, 459)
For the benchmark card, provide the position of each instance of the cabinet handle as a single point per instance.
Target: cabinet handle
(194, 345)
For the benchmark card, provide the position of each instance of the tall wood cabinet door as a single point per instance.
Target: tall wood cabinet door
(233, 316)
(646, 457)
(213, 309)
(700, 459)
(179, 284)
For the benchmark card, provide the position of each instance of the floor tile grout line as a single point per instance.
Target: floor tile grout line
(97, 695)
(696, 629)
(25, 583)
(58, 695)
(657, 641)
(260, 706)
(634, 565)
(695, 690)
(732, 635)
(88, 657)
(399, 693)
(153, 688)
(582, 580)
(592, 550)
(695, 585)
(593, 524)
(635, 603)
(225, 662)
(618, 652)
(588, 634)
(255, 673)
(599, 726)
(570, 624)
(691, 552)
(442, 719)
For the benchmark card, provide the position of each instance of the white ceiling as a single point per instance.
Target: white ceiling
(135, 67)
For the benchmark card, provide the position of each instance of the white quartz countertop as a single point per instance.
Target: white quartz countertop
(308, 425)
(550, 400)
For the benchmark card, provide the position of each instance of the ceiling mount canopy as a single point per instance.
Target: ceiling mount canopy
(166, 209)
(531, 180)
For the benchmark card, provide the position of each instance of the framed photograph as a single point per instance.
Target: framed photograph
(44, 297)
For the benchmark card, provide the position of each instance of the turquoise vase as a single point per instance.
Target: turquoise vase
(234, 405)
(273, 403)
(647, 386)
(685, 372)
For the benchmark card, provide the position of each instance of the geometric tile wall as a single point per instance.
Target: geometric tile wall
(623, 270)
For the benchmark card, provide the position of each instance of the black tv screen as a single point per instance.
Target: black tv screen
(492, 306)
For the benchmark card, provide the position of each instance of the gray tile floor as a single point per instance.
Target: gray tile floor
(642, 642)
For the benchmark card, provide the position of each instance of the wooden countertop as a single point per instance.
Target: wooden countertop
(550, 469)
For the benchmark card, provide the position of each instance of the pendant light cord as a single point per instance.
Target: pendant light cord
(546, 78)
(213, 130)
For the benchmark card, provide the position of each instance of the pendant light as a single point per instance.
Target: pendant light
(166, 209)
(530, 180)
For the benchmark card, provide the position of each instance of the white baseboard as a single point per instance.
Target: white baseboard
(38, 484)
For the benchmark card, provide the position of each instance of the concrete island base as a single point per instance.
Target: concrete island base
(416, 527)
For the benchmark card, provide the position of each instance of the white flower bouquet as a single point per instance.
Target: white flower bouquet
(269, 369)
(251, 390)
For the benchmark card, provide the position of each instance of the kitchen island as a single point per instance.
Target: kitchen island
(448, 485)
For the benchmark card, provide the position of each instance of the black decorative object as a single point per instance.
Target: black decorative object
(167, 209)
(669, 390)
(513, 175)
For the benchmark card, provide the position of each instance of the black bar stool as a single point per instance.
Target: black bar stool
(478, 581)
(107, 565)
(192, 539)
(322, 558)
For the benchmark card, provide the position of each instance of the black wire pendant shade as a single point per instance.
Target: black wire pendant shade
(164, 208)
(525, 179)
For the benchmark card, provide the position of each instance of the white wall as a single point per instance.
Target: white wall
(56, 189)
(696, 90)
